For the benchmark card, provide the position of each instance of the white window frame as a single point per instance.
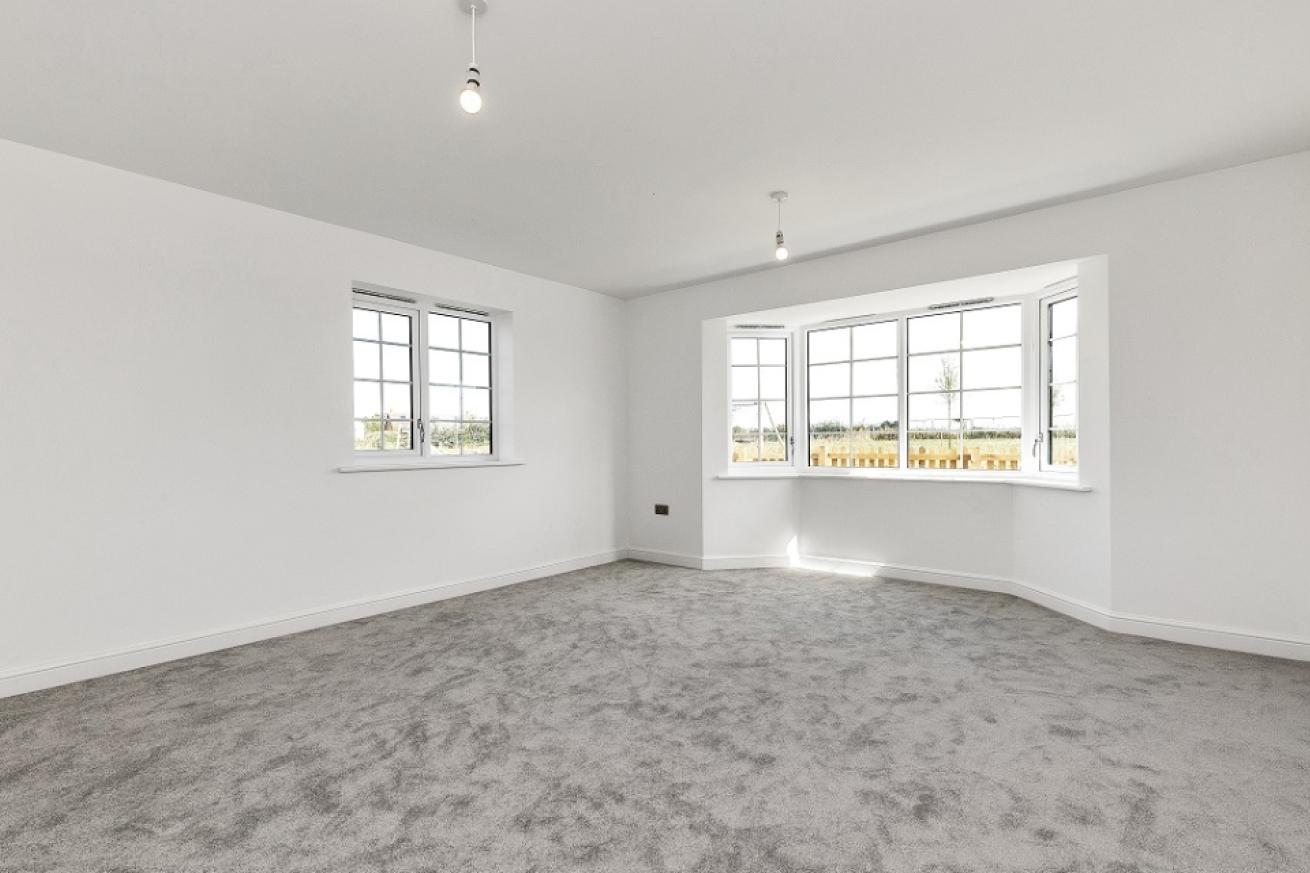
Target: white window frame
(789, 388)
(801, 414)
(1043, 446)
(418, 307)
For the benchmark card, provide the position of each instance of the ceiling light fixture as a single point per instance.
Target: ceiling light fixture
(470, 99)
(779, 248)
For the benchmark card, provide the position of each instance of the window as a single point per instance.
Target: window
(853, 387)
(422, 378)
(758, 366)
(1059, 437)
(965, 389)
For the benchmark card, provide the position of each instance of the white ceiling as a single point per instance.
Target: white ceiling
(629, 146)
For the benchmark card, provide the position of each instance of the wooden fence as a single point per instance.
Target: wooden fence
(921, 458)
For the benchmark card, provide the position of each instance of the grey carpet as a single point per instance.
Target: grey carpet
(641, 718)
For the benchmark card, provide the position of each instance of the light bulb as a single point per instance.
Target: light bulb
(470, 99)
(781, 253)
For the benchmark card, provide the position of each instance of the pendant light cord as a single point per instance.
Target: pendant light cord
(780, 214)
(473, 10)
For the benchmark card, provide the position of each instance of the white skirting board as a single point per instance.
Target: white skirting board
(50, 675)
(1116, 622)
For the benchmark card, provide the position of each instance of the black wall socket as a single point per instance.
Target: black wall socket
(661, 509)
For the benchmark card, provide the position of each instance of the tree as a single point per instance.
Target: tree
(948, 381)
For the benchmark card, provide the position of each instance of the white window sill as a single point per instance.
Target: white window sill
(425, 464)
(1057, 481)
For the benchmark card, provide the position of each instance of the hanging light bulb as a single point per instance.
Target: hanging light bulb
(779, 245)
(470, 99)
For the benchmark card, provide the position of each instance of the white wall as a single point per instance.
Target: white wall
(1208, 296)
(175, 390)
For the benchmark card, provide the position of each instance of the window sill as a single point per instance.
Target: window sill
(1055, 482)
(425, 464)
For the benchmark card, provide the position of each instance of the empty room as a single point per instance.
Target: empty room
(750, 436)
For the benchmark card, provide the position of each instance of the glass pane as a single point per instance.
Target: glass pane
(1064, 360)
(742, 351)
(773, 446)
(443, 331)
(365, 324)
(745, 417)
(875, 413)
(1064, 442)
(1064, 318)
(368, 400)
(933, 434)
(773, 383)
(444, 403)
(935, 372)
(396, 399)
(773, 417)
(993, 410)
(443, 367)
(397, 435)
(833, 344)
(830, 447)
(477, 370)
(874, 340)
(745, 384)
(773, 351)
(476, 335)
(475, 439)
(933, 333)
(993, 368)
(477, 404)
(745, 447)
(934, 412)
(395, 328)
(874, 435)
(996, 326)
(874, 377)
(992, 429)
(830, 380)
(1064, 400)
(366, 361)
(368, 436)
(828, 415)
(395, 363)
(445, 438)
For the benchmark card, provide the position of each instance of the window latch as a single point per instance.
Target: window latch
(1040, 438)
(422, 433)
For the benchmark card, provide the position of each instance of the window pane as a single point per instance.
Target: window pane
(773, 416)
(993, 368)
(742, 351)
(934, 412)
(830, 447)
(833, 344)
(1064, 441)
(1064, 318)
(830, 415)
(874, 377)
(935, 372)
(992, 425)
(368, 436)
(366, 360)
(395, 328)
(745, 447)
(477, 370)
(365, 324)
(773, 446)
(395, 363)
(745, 417)
(933, 434)
(396, 400)
(932, 333)
(476, 335)
(1064, 400)
(773, 351)
(443, 367)
(368, 400)
(443, 331)
(995, 326)
(397, 435)
(445, 438)
(773, 383)
(477, 404)
(874, 340)
(875, 413)
(745, 383)
(475, 439)
(444, 403)
(993, 410)
(830, 380)
(1064, 360)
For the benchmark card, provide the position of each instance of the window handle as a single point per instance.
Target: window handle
(1037, 443)
(422, 433)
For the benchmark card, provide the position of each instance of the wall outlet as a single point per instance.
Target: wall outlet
(661, 509)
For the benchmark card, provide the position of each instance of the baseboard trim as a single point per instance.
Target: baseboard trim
(1191, 633)
(673, 559)
(50, 675)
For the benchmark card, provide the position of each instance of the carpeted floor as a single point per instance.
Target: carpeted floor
(639, 718)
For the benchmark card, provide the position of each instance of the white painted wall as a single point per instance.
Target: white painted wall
(1205, 313)
(175, 390)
